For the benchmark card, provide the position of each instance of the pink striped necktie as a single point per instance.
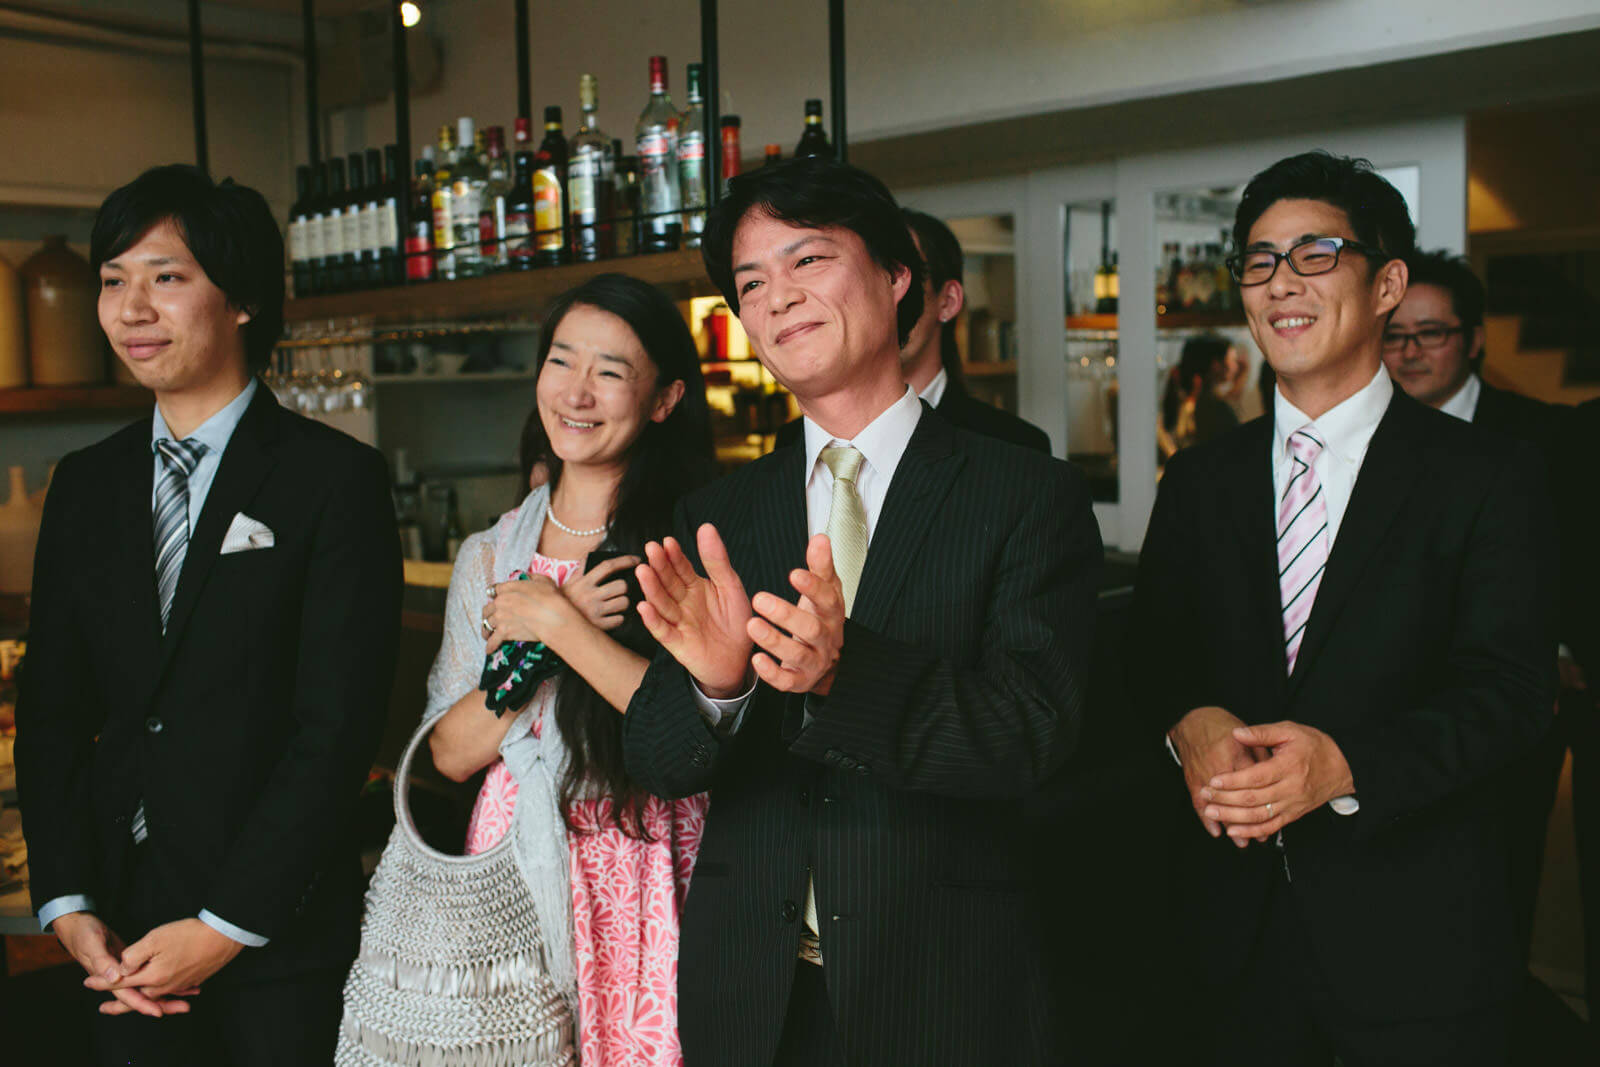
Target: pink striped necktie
(1302, 541)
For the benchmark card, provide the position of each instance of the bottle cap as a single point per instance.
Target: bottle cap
(658, 74)
(464, 131)
(588, 92)
(552, 117)
(524, 130)
(813, 107)
(730, 120)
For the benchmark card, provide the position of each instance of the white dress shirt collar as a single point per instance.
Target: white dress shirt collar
(935, 389)
(216, 431)
(1464, 404)
(1346, 428)
(881, 443)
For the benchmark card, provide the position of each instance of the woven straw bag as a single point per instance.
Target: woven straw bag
(451, 971)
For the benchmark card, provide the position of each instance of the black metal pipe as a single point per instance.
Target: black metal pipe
(197, 87)
(402, 126)
(713, 101)
(308, 19)
(524, 69)
(836, 75)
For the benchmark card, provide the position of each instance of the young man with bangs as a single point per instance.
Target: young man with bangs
(214, 620)
(859, 894)
(1359, 592)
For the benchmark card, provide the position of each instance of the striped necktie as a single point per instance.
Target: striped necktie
(1302, 541)
(172, 515)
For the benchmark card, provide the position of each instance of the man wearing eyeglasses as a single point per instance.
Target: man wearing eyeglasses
(1358, 594)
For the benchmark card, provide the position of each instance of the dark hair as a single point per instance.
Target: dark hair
(669, 459)
(944, 261)
(1200, 353)
(1454, 275)
(815, 192)
(1377, 212)
(230, 232)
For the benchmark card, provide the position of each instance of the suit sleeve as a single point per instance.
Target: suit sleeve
(56, 724)
(1495, 694)
(1000, 727)
(349, 630)
(668, 747)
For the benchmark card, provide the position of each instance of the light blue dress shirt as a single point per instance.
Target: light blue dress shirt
(214, 433)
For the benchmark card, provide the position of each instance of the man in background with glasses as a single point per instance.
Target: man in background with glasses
(1358, 593)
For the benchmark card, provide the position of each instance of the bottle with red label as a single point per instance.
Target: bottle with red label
(419, 238)
(550, 193)
(496, 194)
(731, 152)
(692, 161)
(519, 203)
(656, 137)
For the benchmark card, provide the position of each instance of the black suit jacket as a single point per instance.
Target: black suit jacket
(960, 408)
(248, 728)
(1427, 658)
(1520, 417)
(958, 691)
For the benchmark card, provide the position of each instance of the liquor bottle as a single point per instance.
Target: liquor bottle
(335, 272)
(496, 194)
(519, 202)
(388, 201)
(692, 160)
(371, 218)
(731, 161)
(316, 235)
(656, 138)
(813, 142)
(467, 182)
(591, 179)
(444, 234)
(299, 223)
(355, 224)
(625, 198)
(550, 193)
(419, 239)
(773, 154)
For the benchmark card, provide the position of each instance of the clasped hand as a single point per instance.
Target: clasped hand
(1252, 781)
(152, 975)
(712, 627)
(536, 609)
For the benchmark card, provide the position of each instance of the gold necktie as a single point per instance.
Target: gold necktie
(847, 520)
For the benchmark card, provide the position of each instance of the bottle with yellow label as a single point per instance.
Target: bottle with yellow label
(444, 234)
(549, 193)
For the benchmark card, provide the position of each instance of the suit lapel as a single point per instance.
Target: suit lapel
(250, 454)
(1253, 508)
(910, 510)
(1388, 470)
(779, 506)
(135, 571)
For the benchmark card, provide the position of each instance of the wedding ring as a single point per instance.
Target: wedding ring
(488, 628)
(1269, 803)
(491, 592)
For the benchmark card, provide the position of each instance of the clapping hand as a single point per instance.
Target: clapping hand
(701, 622)
(801, 642)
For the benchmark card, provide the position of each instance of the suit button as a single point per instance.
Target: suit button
(154, 725)
(833, 755)
(862, 768)
(790, 911)
(805, 797)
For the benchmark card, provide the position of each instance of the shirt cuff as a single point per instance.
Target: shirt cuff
(717, 712)
(227, 929)
(64, 905)
(1346, 805)
(1172, 751)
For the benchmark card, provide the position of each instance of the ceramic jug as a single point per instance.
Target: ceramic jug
(19, 533)
(13, 329)
(65, 345)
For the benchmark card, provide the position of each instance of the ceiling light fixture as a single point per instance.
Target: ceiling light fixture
(410, 14)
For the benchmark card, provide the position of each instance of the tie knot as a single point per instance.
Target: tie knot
(181, 457)
(844, 461)
(1304, 446)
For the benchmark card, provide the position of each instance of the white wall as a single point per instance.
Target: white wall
(917, 66)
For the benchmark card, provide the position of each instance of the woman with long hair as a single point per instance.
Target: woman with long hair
(621, 431)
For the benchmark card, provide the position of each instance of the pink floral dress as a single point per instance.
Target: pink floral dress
(627, 895)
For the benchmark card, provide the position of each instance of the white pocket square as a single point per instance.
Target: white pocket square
(245, 534)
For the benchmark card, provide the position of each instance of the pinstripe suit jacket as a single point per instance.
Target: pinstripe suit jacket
(958, 691)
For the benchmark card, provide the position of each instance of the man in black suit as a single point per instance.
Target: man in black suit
(215, 614)
(858, 896)
(1359, 597)
(930, 360)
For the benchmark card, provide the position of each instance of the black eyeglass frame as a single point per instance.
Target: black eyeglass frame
(1235, 262)
(1397, 342)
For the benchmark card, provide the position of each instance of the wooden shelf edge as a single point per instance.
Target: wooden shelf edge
(1176, 320)
(66, 399)
(509, 291)
(1005, 369)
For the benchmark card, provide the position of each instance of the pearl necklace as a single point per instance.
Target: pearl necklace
(550, 514)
